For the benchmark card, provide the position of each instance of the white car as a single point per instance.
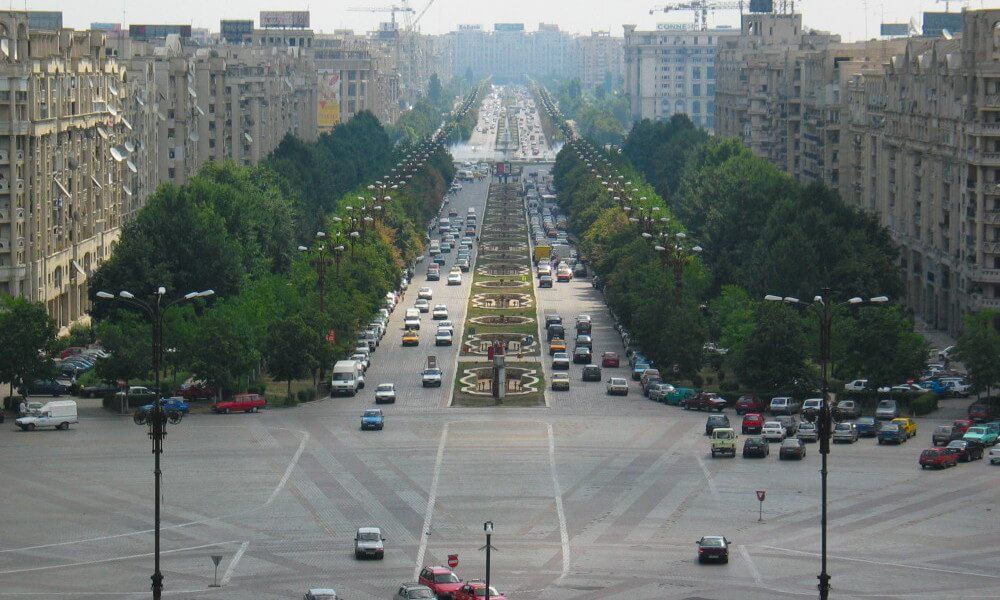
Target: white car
(446, 324)
(455, 279)
(618, 386)
(994, 456)
(431, 377)
(440, 311)
(443, 338)
(385, 393)
(774, 431)
(425, 293)
(422, 305)
(361, 358)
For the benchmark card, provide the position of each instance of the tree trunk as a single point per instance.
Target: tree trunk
(289, 387)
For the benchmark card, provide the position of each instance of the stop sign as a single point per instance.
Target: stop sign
(452, 560)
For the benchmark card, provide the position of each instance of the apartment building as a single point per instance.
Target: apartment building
(907, 130)
(90, 127)
(355, 74)
(673, 70)
(600, 59)
(510, 52)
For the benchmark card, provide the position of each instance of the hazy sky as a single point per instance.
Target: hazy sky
(846, 17)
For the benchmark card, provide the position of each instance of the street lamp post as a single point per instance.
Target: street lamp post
(488, 528)
(825, 417)
(157, 423)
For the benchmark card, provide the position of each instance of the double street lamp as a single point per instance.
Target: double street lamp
(157, 422)
(825, 419)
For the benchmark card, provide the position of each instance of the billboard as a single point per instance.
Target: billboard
(106, 26)
(49, 20)
(328, 100)
(936, 22)
(508, 27)
(236, 31)
(761, 6)
(895, 29)
(284, 18)
(153, 32)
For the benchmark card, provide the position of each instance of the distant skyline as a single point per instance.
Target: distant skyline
(850, 18)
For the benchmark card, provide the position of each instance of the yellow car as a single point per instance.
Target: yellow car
(908, 425)
(557, 345)
(411, 337)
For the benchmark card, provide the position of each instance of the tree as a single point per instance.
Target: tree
(26, 335)
(732, 314)
(772, 357)
(127, 337)
(290, 350)
(979, 350)
(224, 351)
(879, 344)
(435, 93)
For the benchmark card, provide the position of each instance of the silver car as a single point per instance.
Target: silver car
(887, 410)
(414, 591)
(808, 432)
(368, 543)
(845, 431)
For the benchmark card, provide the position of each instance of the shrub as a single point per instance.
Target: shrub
(924, 403)
(728, 386)
(697, 381)
(307, 395)
(290, 400)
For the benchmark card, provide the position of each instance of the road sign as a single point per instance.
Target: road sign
(760, 506)
(761, 494)
(452, 560)
(331, 336)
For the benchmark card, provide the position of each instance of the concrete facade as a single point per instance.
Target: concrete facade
(600, 57)
(360, 74)
(670, 71)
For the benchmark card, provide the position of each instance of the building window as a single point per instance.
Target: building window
(696, 107)
(696, 89)
(696, 73)
(171, 173)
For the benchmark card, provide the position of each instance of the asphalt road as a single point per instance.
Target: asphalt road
(592, 497)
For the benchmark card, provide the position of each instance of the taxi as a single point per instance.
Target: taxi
(557, 345)
(907, 424)
(411, 337)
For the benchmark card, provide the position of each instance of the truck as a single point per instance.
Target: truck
(59, 414)
(542, 253)
(345, 378)
(724, 441)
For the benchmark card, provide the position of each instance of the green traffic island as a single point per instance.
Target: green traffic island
(525, 385)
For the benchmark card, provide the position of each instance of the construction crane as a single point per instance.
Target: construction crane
(420, 15)
(700, 8)
(947, 3)
(404, 8)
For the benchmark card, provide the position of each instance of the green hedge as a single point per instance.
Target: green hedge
(924, 404)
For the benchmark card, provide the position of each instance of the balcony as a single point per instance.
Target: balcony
(985, 129)
(987, 303)
(987, 275)
(992, 101)
(992, 189)
(989, 159)
(992, 217)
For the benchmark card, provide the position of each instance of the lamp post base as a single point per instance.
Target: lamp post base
(824, 586)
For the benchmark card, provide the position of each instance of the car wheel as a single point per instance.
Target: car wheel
(64, 426)
(31, 426)
(725, 560)
(225, 411)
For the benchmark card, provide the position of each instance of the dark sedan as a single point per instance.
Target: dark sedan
(965, 450)
(756, 447)
(867, 426)
(705, 401)
(714, 422)
(892, 433)
(713, 547)
(792, 448)
(582, 355)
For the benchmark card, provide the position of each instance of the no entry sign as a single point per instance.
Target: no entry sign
(761, 494)
(452, 560)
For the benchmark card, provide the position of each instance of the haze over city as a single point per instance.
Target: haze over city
(850, 18)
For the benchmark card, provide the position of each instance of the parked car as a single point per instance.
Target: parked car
(679, 396)
(723, 440)
(887, 410)
(476, 590)
(807, 432)
(372, 418)
(752, 423)
(892, 433)
(981, 435)
(811, 407)
(994, 456)
(942, 435)
(846, 410)
(414, 591)
(240, 402)
(167, 405)
(369, 543)
(321, 594)
(784, 405)
(908, 425)
(756, 447)
(610, 359)
(713, 547)
(845, 431)
(715, 421)
(867, 426)
(979, 412)
(705, 401)
(103, 389)
(956, 386)
(789, 422)
(45, 387)
(792, 448)
(749, 404)
(965, 450)
(638, 368)
(560, 381)
(937, 457)
(774, 431)
(591, 373)
(442, 580)
(618, 386)
(960, 426)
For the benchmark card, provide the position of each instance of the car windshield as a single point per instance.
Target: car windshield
(942, 429)
(957, 444)
(368, 536)
(790, 443)
(976, 430)
(384, 387)
(711, 542)
(808, 425)
(887, 404)
(482, 591)
(425, 593)
(866, 420)
(772, 424)
(373, 413)
(890, 427)
(432, 371)
(446, 578)
(843, 426)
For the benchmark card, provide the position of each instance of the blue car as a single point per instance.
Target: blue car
(937, 387)
(638, 369)
(169, 405)
(892, 433)
(867, 426)
(372, 419)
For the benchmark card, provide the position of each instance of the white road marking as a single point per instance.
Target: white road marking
(753, 568)
(708, 477)
(291, 466)
(236, 559)
(886, 564)
(115, 559)
(431, 500)
(563, 532)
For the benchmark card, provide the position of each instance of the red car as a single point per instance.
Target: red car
(749, 404)
(197, 391)
(979, 412)
(961, 426)
(705, 401)
(442, 581)
(610, 359)
(476, 590)
(753, 423)
(938, 457)
(240, 402)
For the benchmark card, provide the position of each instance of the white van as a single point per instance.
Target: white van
(58, 413)
(345, 378)
(411, 319)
